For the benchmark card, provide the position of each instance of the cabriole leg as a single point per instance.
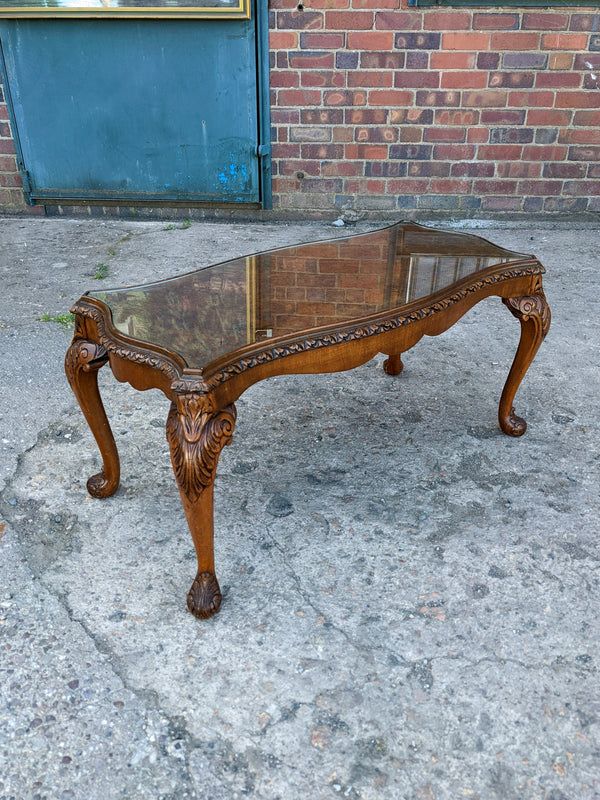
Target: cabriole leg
(196, 436)
(533, 313)
(82, 362)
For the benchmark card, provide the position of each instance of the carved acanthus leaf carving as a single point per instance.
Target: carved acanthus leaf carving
(531, 307)
(196, 437)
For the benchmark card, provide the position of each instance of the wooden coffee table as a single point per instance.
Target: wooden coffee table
(205, 337)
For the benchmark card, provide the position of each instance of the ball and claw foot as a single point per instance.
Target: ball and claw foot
(204, 598)
(513, 425)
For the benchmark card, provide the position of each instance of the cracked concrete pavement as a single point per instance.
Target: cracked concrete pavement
(410, 597)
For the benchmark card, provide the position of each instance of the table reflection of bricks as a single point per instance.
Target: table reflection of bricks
(325, 284)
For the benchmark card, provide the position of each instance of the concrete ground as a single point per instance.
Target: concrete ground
(411, 598)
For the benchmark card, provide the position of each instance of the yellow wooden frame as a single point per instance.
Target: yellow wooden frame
(157, 9)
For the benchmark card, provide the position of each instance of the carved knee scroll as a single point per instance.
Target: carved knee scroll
(82, 362)
(196, 436)
(533, 313)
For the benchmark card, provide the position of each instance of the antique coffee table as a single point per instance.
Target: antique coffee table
(205, 337)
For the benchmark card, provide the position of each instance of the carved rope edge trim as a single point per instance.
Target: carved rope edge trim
(127, 353)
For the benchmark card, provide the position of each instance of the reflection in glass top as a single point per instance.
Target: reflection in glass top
(211, 312)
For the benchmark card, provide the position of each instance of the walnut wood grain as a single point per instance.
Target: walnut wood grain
(196, 436)
(82, 362)
(533, 313)
(202, 416)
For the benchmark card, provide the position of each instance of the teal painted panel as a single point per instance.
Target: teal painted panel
(135, 109)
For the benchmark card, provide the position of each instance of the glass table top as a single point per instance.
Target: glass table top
(218, 309)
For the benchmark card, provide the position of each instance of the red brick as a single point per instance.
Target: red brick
(500, 152)
(544, 188)
(283, 79)
(407, 186)
(450, 186)
(485, 99)
(366, 152)
(376, 134)
(283, 40)
(561, 61)
(322, 116)
(437, 134)
(501, 203)
(321, 41)
(323, 4)
(563, 170)
(345, 98)
(494, 187)
(564, 41)
(549, 116)
(362, 78)
(370, 40)
(539, 21)
(454, 152)
(558, 80)
(478, 135)
(514, 41)
(584, 22)
(446, 21)
(577, 100)
(465, 41)
(519, 169)
(376, 4)
(390, 98)
(586, 188)
(466, 118)
(586, 118)
(535, 152)
(322, 151)
(531, 99)
(349, 20)
(580, 153)
(311, 60)
(291, 166)
(453, 60)
(512, 80)
(448, 98)
(365, 116)
(464, 80)
(503, 117)
(388, 61)
(397, 21)
(579, 136)
(472, 170)
(411, 116)
(416, 80)
(495, 22)
(428, 169)
(346, 169)
(299, 20)
(324, 79)
(285, 116)
(298, 97)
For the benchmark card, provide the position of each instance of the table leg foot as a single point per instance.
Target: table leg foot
(204, 598)
(196, 435)
(393, 364)
(534, 315)
(82, 362)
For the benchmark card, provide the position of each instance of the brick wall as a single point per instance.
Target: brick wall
(464, 111)
(472, 111)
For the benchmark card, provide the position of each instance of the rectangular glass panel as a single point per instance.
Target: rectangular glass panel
(216, 310)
